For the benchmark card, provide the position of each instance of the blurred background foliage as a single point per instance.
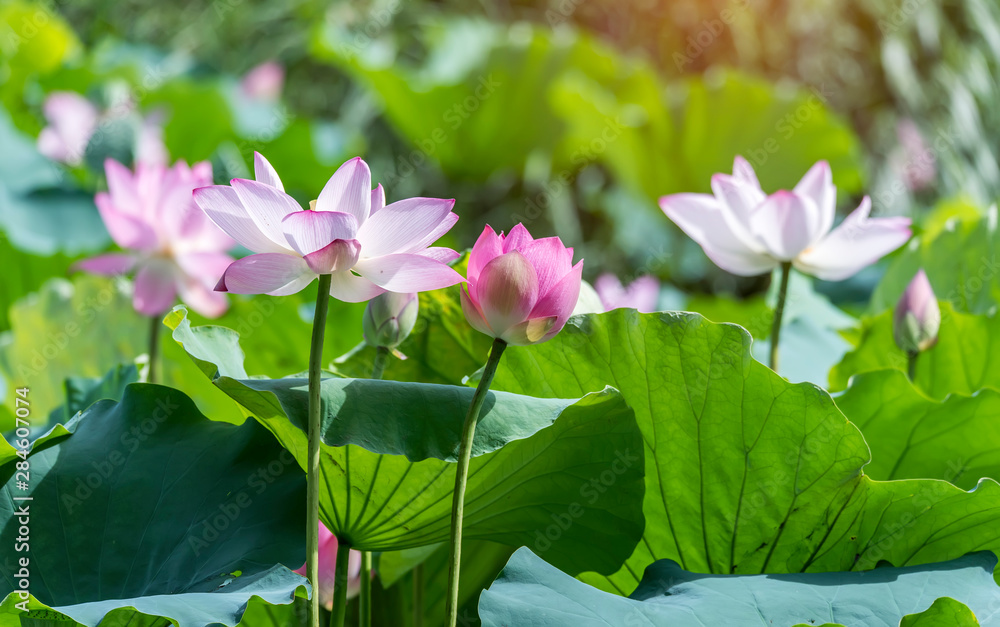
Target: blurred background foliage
(571, 116)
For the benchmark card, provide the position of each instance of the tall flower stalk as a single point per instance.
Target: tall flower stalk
(520, 291)
(312, 460)
(357, 246)
(779, 312)
(462, 477)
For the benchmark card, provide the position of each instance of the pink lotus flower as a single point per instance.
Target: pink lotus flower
(367, 246)
(917, 318)
(264, 81)
(328, 568)
(642, 294)
(747, 232)
(172, 246)
(520, 290)
(72, 120)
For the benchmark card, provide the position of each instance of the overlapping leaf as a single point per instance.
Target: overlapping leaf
(541, 475)
(147, 507)
(745, 472)
(965, 359)
(530, 592)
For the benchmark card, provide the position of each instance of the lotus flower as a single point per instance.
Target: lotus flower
(642, 294)
(917, 318)
(747, 232)
(72, 120)
(171, 245)
(264, 81)
(366, 246)
(328, 568)
(520, 290)
(389, 318)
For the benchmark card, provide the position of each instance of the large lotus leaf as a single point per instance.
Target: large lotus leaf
(531, 593)
(387, 488)
(964, 360)
(913, 437)
(82, 392)
(961, 259)
(746, 473)
(147, 506)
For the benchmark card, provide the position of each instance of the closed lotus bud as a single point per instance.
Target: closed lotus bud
(389, 318)
(520, 290)
(918, 317)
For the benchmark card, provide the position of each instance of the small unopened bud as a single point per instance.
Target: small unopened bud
(917, 318)
(389, 318)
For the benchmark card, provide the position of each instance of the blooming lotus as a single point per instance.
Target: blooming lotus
(642, 294)
(328, 568)
(917, 318)
(747, 232)
(172, 247)
(520, 290)
(349, 232)
(73, 120)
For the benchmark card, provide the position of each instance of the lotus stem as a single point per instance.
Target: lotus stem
(462, 476)
(154, 347)
(911, 364)
(312, 463)
(779, 311)
(339, 612)
(381, 359)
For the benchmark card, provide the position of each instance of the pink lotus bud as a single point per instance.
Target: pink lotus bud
(389, 318)
(520, 290)
(918, 317)
(328, 568)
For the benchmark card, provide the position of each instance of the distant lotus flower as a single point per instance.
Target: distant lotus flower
(917, 318)
(642, 294)
(520, 290)
(72, 120)
(746, 232)
(913, 160)
(328, 568)
(389, 318)
(366, 246)
(264, 82)
(171, 245)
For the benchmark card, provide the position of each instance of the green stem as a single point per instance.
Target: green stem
(154, 347)
(312, 463)
(779, 311)
(339, 612)
(911, 364)
(366, 589)
(381, 359)
(418, 595)
(462, 475)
